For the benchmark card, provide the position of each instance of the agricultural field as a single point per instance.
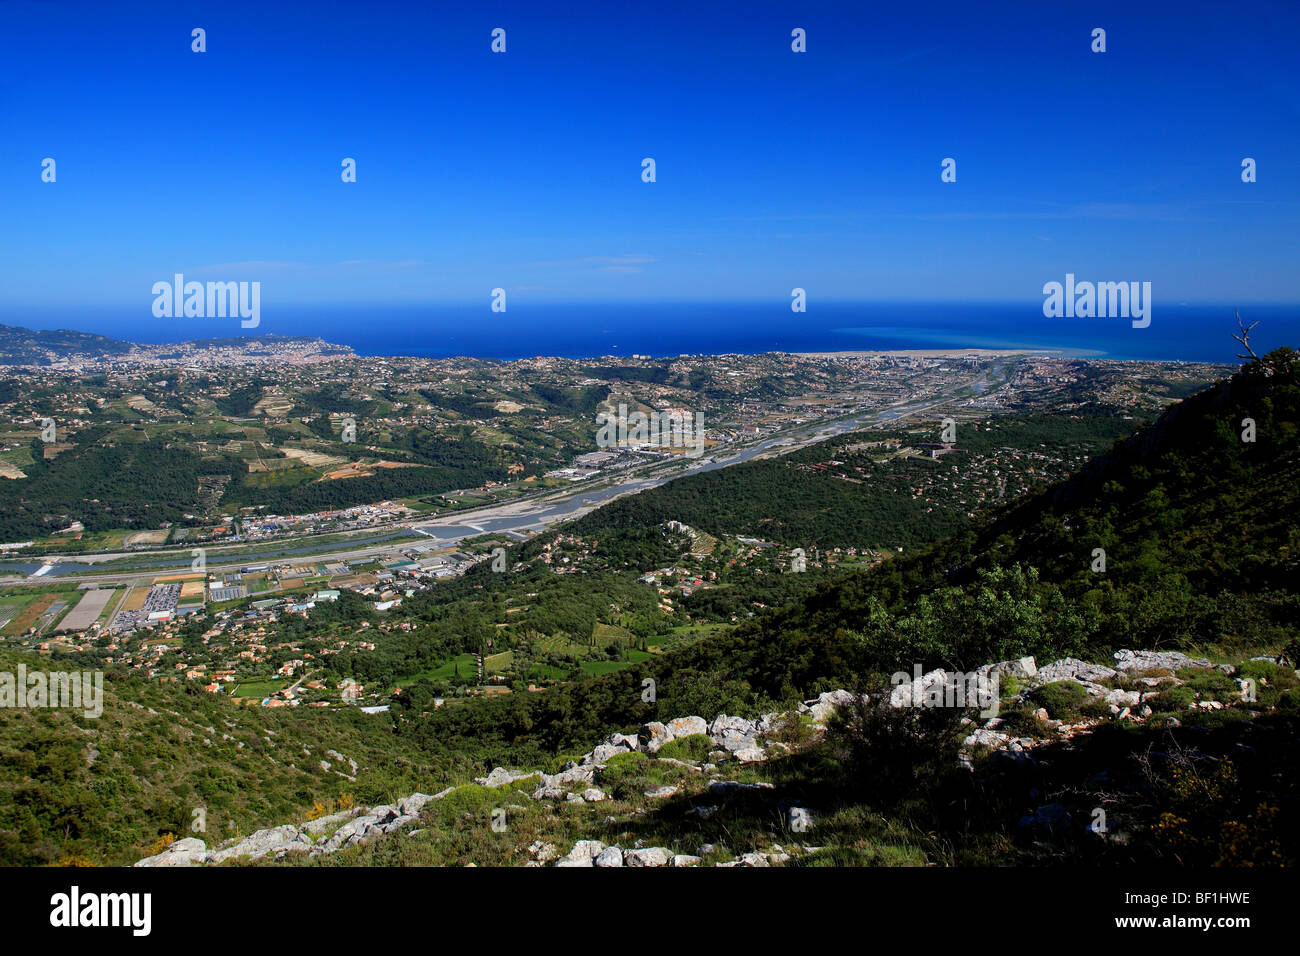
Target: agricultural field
(135, 599)
(36, 608)
(92, 607)
(466, 664)
(258, 689)
(145, 538)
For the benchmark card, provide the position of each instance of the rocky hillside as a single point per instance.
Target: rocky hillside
(1183, 537)
(164, 760)
(729, 792)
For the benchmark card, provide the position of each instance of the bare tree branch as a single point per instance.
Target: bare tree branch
(1243, 336)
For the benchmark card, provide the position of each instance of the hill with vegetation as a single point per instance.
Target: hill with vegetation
(1181, 538)
(104, 790)
(19, 346)
(1200, 544)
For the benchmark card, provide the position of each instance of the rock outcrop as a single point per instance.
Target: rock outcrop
(733, 738)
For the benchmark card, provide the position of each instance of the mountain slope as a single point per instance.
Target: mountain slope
(19, 346)
(104, 789)
(1193, 556)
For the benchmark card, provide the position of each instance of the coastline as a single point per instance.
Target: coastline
(972, 352)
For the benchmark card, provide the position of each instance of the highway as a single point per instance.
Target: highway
(515, 518)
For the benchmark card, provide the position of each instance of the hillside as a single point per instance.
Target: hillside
(1192, 756)
(1200, 542)
(850, 491)
(1068, 765)
(105, 789)
(1192, 557)
(19, 346)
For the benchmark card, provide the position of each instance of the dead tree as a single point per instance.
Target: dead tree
(1243, 336)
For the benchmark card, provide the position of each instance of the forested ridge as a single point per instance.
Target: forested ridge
(1201, 546)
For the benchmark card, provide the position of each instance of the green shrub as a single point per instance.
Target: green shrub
(1173, 700)
(471, 799)
(1096, 708)
(627, 758)
(691, 749)
(1263, 671)
(1214, 718)
(624, 775)
(1210, 684)
(889, 751)
(1063, 699)
(1021, 722)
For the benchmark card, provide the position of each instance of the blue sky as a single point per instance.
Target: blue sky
(522, 170)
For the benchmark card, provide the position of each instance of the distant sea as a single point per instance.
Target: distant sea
(1177, 332)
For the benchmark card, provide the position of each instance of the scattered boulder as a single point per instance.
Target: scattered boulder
(610, 856)
(826, 704)
(185, 852)
(1071, 668)
(724, 726)
(687, 727)
(414, 803)
(351, 833)
(723, 788)
(262, 843)
(1023, 667)
(542, 852)
(1157, 681)
(500, 776)
(1129, 661)
(986, 738)
(321, 824)
(649, 856)
(770, 723)
(582, 854)
(577, 774)
(1123, 698)
(653, 736)
(916, 692)
(600, 756)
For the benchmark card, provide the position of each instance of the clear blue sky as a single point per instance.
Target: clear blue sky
(522, 170)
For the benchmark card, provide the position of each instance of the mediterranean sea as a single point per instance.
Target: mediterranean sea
(1190, 332)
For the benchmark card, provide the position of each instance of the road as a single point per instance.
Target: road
(511, 518)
